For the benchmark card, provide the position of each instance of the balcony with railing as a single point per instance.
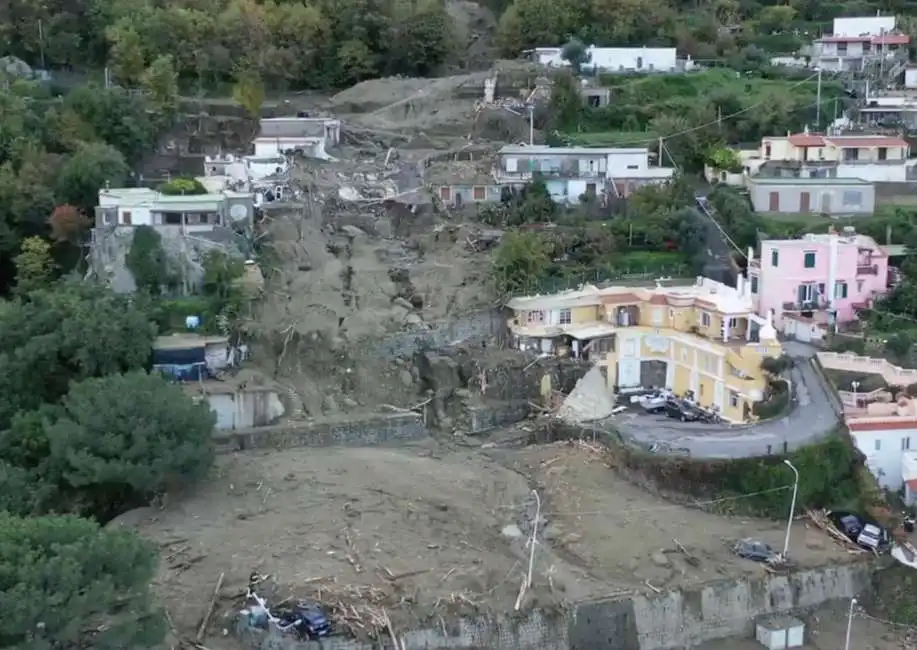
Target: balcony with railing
(522, 169)
(805, 305)
(867, 269)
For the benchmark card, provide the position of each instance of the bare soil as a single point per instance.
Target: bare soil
(423, 532)
(623, 536)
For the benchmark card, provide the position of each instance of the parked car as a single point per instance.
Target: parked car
(862, 532)
(681, 410)
(653, 402)
(754, 549)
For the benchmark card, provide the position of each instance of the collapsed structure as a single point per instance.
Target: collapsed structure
(705, 338)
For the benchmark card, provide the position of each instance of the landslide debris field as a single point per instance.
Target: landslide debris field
(435, 530)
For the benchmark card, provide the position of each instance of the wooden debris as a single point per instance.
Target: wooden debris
(820, 519)
(650, 585)
(689, 557)
(351, 553)
(209, 613)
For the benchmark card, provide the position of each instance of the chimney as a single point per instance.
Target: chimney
(740, 284)
(750, 254)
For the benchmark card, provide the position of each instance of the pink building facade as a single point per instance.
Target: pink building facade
(821, 278)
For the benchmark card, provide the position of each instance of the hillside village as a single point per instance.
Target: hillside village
(586, 347)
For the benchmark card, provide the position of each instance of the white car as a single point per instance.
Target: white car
(652, 402)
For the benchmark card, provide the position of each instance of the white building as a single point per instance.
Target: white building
(885, 441)
(571, 172)
(619, 59)
(311, 136)
(266, 177)
(856, 42)
(140, 206)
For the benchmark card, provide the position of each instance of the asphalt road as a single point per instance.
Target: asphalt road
(812, 417)
(717, 254)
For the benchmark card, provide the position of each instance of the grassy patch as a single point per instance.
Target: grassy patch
(866, 381)
(648, 261)
(610, 138)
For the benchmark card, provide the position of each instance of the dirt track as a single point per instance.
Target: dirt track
(423, 532)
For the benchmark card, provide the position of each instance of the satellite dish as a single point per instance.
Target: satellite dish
(238, 212)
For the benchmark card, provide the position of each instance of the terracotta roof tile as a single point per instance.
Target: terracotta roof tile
(658, 299)
(806, 140)
(868, 141)
(891, 425)
(619, 299)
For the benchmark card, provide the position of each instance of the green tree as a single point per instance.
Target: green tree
(520, 262)
(89, 169)
(34, 265)
(576, 53)
(66, 583)
(126, 54)
(66, 333)
(119, 440)
(248, 92)
(160, 80)
(147, 261)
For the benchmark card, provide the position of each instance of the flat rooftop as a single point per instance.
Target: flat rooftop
(187, 341)
(762, 180)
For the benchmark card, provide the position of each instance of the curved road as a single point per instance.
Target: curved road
(812, 417)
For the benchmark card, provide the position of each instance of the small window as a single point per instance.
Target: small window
(566, 317)
(754, 284)
(633, 166)
(808, 259)
(733, 399)
(840, 289)
(905, 443)
(445, 193)
(479, 193)
(775, 257)
(671, 314)
(878, 445)
(705, 319)
(126, 217)
(852, 198)
(535, 317)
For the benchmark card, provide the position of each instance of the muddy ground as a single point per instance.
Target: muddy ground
(435, 530)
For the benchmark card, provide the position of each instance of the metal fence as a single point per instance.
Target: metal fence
(632, 275)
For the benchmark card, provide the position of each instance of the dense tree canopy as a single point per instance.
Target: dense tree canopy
(66, 333)
(65, 583)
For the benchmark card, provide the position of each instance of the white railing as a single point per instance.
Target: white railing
(893, 375)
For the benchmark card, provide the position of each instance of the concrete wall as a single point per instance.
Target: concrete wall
(476, 326)
(350, 431)
(676, 619)
(246, 409)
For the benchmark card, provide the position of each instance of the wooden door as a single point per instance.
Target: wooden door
(805, 202)
(774, 202)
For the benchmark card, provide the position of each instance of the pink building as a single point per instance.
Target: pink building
(803, 282)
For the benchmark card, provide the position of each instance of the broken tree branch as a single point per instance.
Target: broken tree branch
(209, 613)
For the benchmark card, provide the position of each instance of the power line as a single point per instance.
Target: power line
(625, 511)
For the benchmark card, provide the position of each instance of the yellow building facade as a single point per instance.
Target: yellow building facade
(703, 338)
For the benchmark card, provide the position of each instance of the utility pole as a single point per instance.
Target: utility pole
(818, 103)
(659, 159)
(41, 44)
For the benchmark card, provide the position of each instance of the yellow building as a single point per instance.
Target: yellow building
(704, 338)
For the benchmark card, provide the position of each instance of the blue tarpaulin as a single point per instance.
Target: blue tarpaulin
(183, 372)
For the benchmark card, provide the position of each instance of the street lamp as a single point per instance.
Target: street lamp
(853, 603)
(855, 385)
(789, 523)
